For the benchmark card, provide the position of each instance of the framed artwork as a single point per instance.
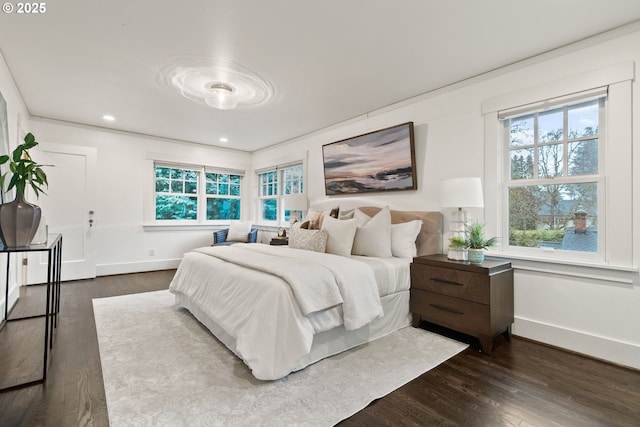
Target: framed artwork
(383, 160)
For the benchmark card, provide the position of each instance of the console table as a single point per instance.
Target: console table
(53, 247)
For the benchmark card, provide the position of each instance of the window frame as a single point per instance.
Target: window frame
(621, 240)
(201, 194)
(280, 197)
(508, 182)
(183, 169)
(208, 196)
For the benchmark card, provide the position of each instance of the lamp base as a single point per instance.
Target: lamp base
(458, 254)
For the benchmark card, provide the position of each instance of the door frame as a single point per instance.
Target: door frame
(36, 270)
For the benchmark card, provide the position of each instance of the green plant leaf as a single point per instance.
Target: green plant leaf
(17, 153)
(23, 169)
(30, 139)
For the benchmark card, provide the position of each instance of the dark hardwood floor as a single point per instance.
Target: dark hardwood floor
(522, 383)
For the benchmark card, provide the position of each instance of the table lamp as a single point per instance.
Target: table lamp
(295, 204)
(465, 192)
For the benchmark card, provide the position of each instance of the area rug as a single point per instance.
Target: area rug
(161, 367)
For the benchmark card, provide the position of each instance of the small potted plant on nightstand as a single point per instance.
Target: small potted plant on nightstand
(477, 243)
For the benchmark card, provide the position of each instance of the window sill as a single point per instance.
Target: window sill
(182, 227)
(573, 268)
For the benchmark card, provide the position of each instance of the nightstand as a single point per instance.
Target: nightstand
(475, 299)
(279, 241)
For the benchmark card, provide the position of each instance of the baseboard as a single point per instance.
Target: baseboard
(136, 267)
(619, 352)
(14, 293)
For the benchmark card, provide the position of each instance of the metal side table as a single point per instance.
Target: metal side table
(54, 249)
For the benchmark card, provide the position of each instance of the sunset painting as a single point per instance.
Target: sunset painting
(377, 161)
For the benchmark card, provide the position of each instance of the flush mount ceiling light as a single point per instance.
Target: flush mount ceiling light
(221, 96)
(216, 83)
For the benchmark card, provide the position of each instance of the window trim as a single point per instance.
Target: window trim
(279, 196)
(149, 203)
(207, 196)
(619, 243)
(507, 182)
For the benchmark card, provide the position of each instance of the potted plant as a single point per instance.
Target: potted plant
(477, 243)
(19, 219)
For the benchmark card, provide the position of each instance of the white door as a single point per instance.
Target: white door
(68, 209)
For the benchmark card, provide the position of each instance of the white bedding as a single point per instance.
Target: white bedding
(260, 311)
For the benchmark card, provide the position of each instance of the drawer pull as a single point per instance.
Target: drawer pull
(446, 282)
(450, 310)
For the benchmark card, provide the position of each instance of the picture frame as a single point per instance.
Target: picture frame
(379, 161)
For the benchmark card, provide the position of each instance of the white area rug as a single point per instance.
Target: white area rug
(161, 367)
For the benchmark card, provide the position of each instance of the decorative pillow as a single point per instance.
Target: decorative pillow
(316, 217)
(315, 223)
(403, 238)
(341, 234)
(311, 240)
(373, 238)
(348, 214)
(239, 232)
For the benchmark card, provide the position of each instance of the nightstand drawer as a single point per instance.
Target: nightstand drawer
(456, 283)
(453, 313)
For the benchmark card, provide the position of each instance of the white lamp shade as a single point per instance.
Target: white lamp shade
(296, 202)
(463, 192)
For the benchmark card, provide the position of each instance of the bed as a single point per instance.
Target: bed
(280, 309)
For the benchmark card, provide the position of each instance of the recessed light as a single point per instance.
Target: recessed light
(223, 139)
(108, 118)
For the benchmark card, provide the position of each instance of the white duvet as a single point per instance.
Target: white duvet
(255, 292)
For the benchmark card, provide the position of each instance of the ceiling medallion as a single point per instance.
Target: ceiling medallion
(216, 83)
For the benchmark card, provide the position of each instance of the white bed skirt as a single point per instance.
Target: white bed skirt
(334, 341)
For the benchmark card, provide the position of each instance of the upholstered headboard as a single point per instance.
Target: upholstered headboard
(429, 240)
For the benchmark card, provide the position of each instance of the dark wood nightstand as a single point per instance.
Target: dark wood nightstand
(475, 299)
(279, 241)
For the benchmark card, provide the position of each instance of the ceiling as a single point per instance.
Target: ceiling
(327, 61)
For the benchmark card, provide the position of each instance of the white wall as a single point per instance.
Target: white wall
(123, 243)
(592, 311)
(17, 115)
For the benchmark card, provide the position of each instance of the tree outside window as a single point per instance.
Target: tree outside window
(176, 193)
(555, 177)
(180, 195)
(223, 196)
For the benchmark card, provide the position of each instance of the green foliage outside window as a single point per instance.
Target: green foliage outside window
(177, 194)
(562, 143)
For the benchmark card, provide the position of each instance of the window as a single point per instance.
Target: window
(555, 176)
(180, 195)
(223, 196)
(277, 186)
(176, 193)
(580, 183)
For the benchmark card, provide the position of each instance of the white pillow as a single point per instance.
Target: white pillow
(348, 214)
(239, 231)
(373, 238)
(341, 233)
(403, 238)
(310, 240)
